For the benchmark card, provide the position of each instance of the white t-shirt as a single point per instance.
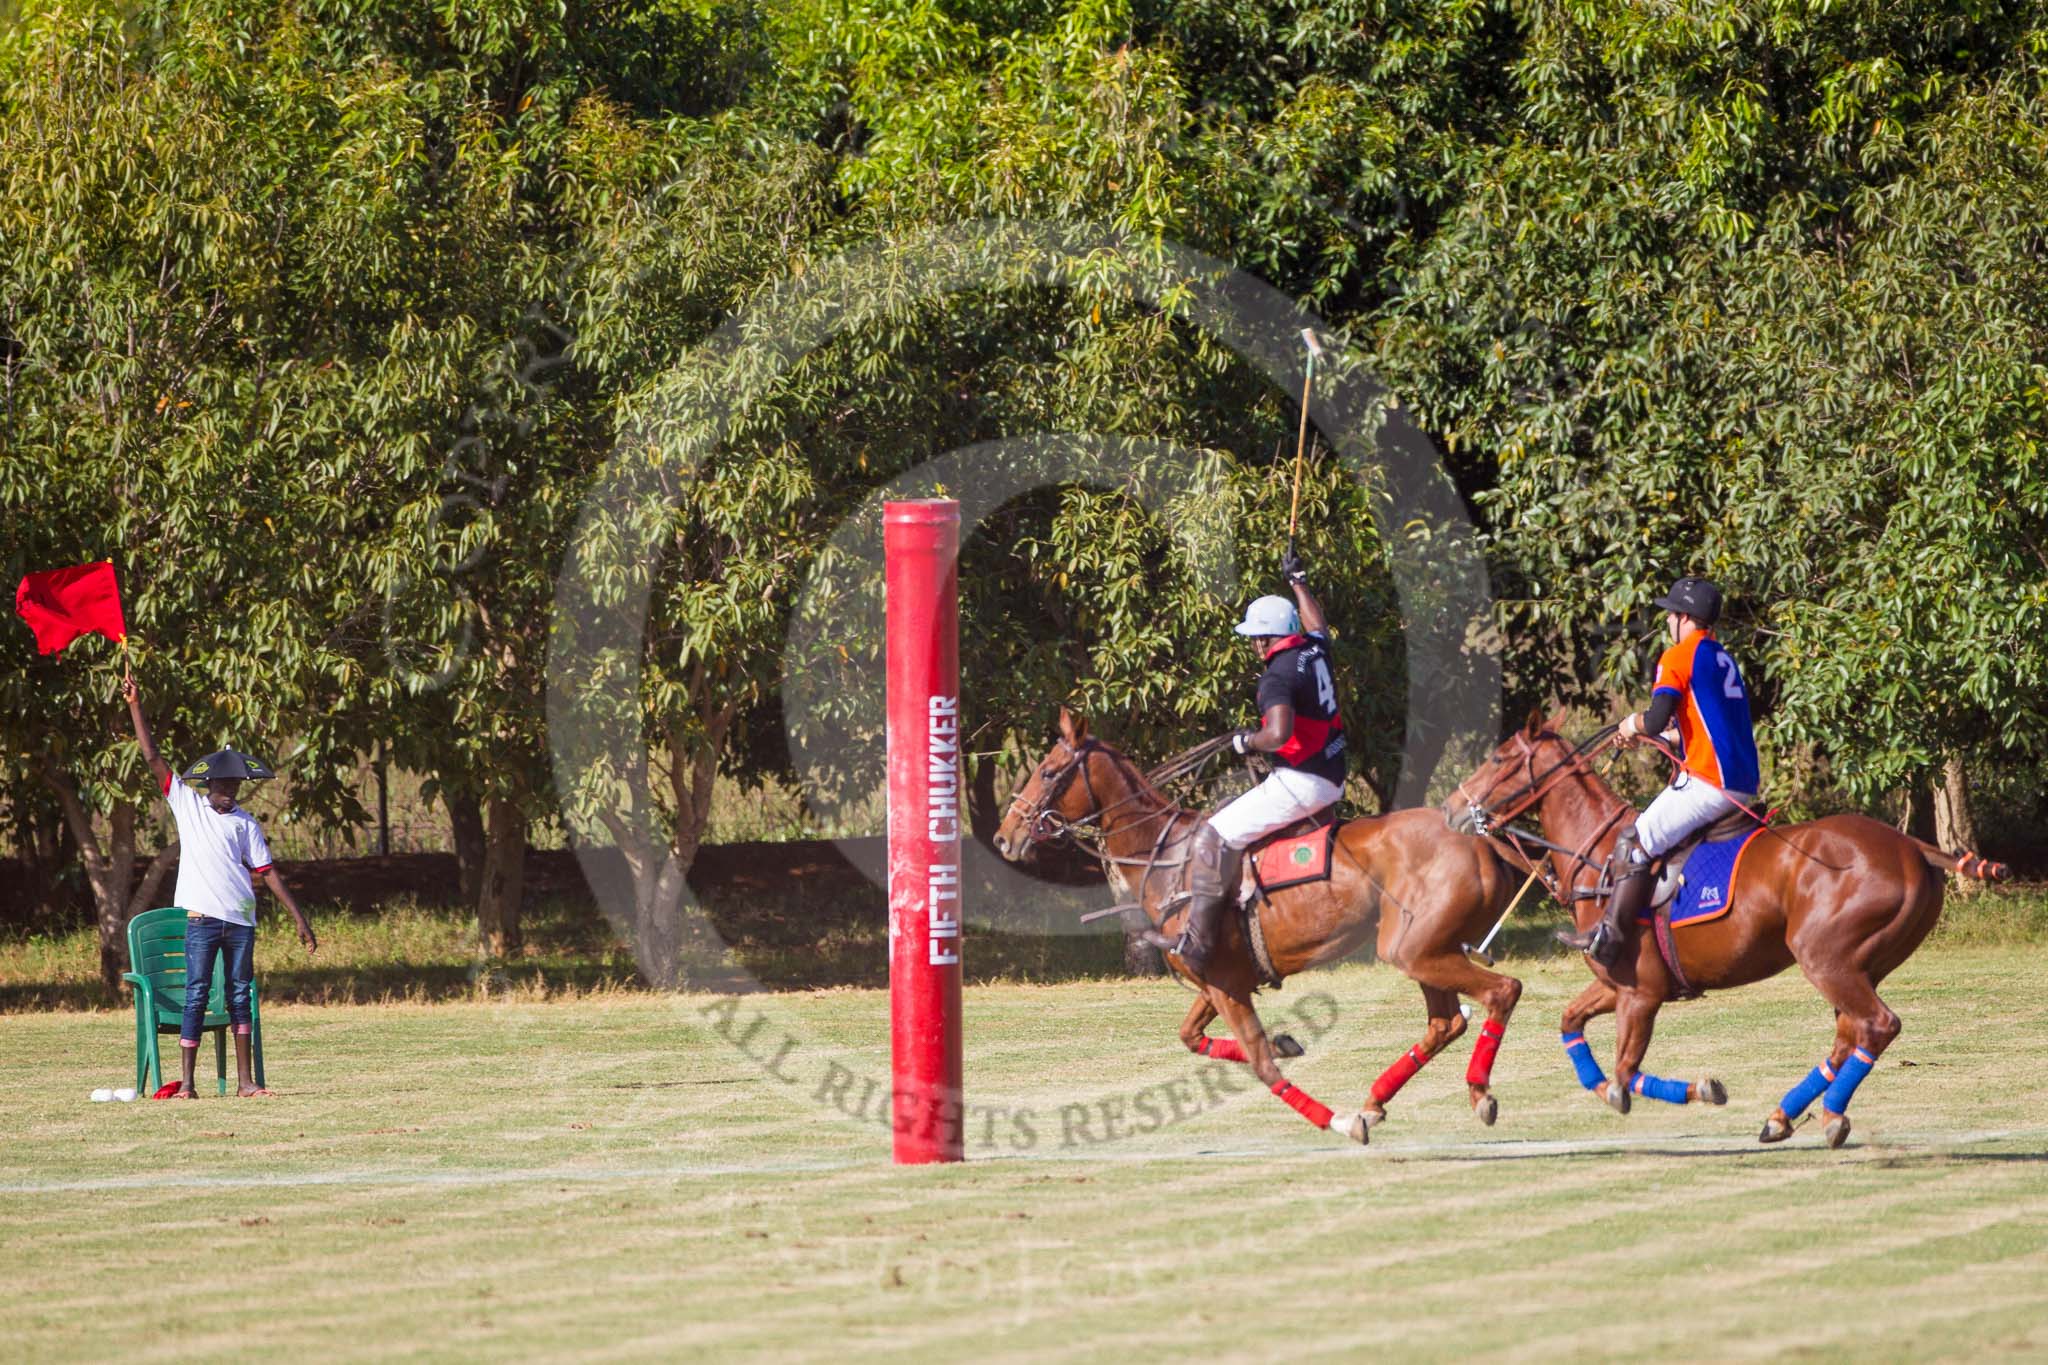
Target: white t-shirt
(217, 855)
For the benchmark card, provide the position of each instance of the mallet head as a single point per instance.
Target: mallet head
(1315, 347)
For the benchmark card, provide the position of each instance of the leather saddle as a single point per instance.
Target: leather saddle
(1250, 887)
(1672, 876)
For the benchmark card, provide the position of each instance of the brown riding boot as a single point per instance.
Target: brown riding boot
(1212, 878)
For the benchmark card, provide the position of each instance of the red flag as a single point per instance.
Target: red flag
(62, 604)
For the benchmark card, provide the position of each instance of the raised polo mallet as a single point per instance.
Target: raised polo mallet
(1315, 351)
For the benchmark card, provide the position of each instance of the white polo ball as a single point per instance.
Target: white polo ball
(102, 1095)
(125, 1095)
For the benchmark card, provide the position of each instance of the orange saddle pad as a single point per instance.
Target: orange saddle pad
(1290, 862)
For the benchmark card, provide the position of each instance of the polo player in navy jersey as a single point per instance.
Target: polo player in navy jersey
(1299, 727)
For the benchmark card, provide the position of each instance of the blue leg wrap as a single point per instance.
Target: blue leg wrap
(1657, 1088)
(1846, 1080)
(1581, 1052)
(1801, 1096)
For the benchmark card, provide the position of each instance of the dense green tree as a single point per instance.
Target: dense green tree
(325, 318)
(1759, 295)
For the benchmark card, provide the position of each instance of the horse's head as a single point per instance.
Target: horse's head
(1509, 782)
(1057, 794)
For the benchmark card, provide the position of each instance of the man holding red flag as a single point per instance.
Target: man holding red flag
(220, 848)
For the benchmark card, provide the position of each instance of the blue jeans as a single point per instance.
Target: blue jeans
(205, 935)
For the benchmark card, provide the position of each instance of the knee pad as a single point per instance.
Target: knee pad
(1629, 858)
(1212, 862)
(1210, 847)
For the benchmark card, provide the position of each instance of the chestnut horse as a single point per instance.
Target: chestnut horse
(1846, 897)
(1424, 889)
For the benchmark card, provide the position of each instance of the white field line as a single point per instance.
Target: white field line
(1928, 1143)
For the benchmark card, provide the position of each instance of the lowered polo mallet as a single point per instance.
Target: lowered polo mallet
(1315, 351)
(1487, 942)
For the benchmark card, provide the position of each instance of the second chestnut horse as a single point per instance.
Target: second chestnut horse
(1846, 897)
(1404, 882)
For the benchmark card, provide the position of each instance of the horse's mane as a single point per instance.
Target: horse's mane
(1146, 786)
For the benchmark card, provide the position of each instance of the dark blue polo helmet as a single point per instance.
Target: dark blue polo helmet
(1695, 597)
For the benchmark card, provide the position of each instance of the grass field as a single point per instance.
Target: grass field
(617, 1176)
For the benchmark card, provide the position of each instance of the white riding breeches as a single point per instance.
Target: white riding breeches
(1288, 795)
(1688, 804)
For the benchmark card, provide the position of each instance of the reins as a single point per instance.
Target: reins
(1040, 817)
(1043, 824)
(1046, 824)
(1495, 825)
(1763, 819)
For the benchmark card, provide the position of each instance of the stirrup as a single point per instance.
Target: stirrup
(1165, 943)
(1598, 943)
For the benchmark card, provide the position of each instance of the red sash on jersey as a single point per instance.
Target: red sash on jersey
(1287, 642)
(1308, 739)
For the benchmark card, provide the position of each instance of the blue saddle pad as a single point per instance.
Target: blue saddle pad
(1709, 887)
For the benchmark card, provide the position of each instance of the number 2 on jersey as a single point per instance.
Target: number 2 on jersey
(1731, 681)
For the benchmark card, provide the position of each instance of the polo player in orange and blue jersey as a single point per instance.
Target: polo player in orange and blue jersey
(1699, 687)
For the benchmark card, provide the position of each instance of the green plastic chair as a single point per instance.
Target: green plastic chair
(156, 955)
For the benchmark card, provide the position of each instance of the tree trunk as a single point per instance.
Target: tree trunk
(46, 850)
(504, 879)
(1955, 825)
(658, 885)
(152, 878)
(466, 832)
(659, 867)
(383, 803)
(1916, 813)
(109, 867)
(984, 814)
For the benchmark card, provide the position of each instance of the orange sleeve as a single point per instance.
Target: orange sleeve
(1674, 669)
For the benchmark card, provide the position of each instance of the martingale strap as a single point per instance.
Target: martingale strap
(1256, 933)
(1667, 948)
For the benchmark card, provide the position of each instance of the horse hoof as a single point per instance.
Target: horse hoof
(1775, 1130)
(1837, 1129)
(1616, 1097)
(1487, 1108)
(1285, 1046)
(1374, 1116)
(1356, 1127)
(1709, 1091)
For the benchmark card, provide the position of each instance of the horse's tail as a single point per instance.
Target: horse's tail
(1964, 864)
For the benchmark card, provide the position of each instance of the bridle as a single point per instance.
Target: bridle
(1044, 825)
(1495, 823)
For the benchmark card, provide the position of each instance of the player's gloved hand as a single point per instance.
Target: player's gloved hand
(1293, 567)
(1241, 742)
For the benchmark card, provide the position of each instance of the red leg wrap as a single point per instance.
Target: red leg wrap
(1222, 1049)
(1398, 1075)
(1303, 1103)
(1480, 1071)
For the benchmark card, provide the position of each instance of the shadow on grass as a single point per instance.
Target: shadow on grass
(796, 939)
(424, 954)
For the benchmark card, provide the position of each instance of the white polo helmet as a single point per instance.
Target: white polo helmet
(1270, 616)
